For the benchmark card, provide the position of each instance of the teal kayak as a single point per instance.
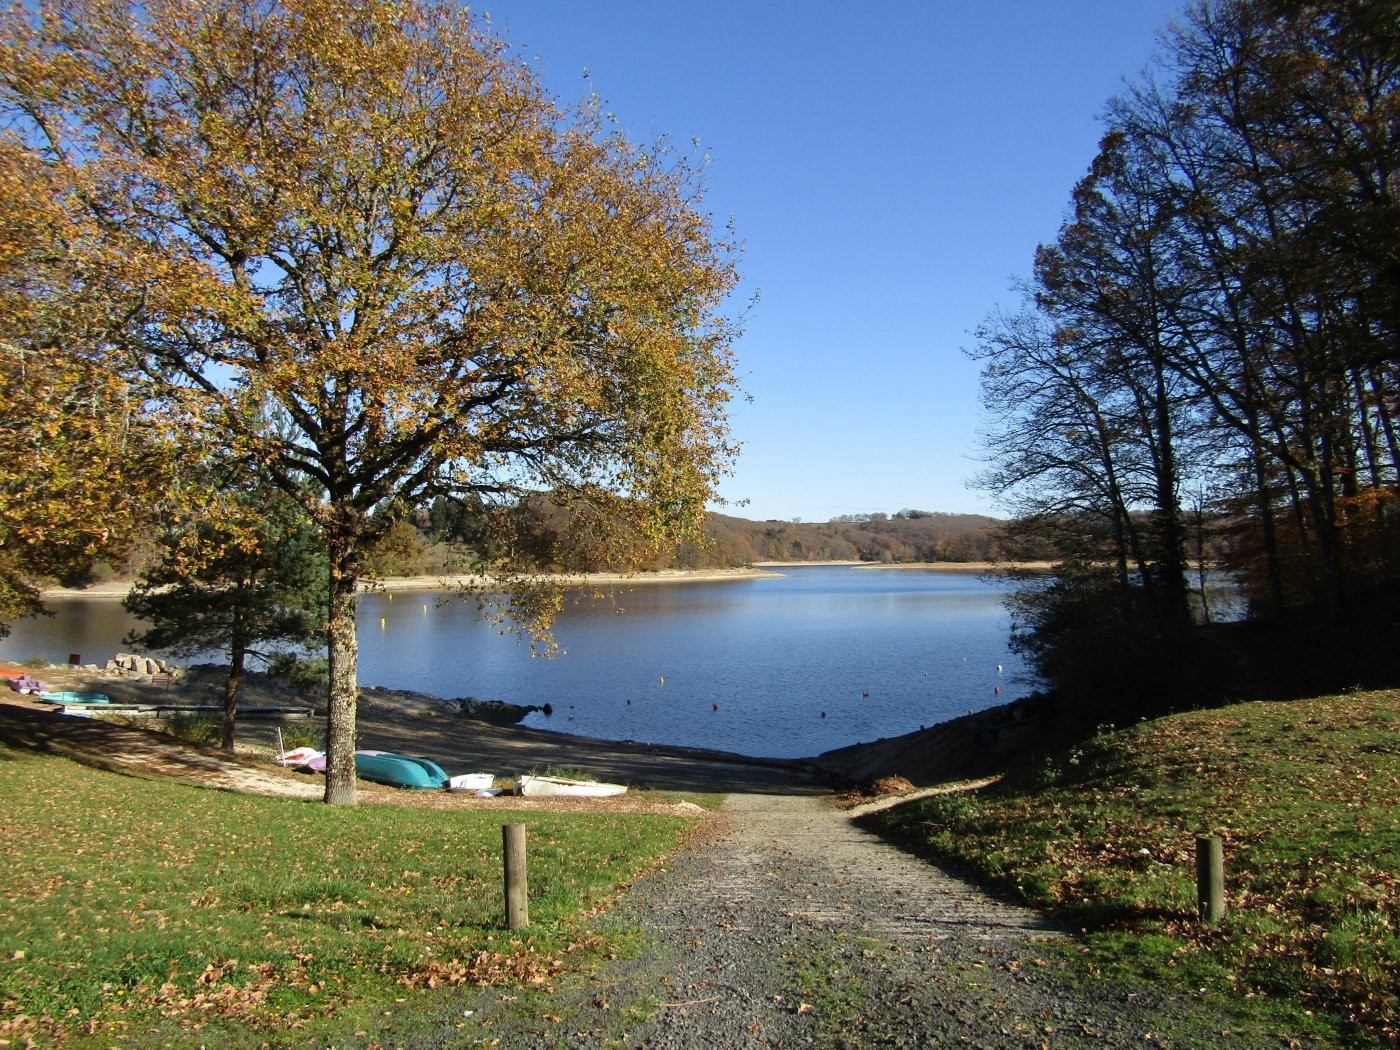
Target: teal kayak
(67, 697)
(399, 770)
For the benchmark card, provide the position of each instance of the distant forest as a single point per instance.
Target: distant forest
(906, 536)
(545, 537)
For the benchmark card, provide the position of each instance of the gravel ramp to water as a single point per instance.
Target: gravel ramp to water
(789, 926)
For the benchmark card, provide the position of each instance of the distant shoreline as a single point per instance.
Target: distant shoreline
(115, 590)
(919, 566)
(961, 566)
(402, 584)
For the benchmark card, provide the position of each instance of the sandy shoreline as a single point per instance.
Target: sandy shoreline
(977, 744)
(401, 584)
(420, 724)
(117, 589)
(962, 566)
(917, 566)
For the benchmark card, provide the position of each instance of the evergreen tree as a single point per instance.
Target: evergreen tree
(245, 580)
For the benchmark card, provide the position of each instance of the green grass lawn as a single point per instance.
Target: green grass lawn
(152, 912)
(1307, 798)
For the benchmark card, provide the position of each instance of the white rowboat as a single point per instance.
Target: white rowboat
(544, 787)
(470, 782)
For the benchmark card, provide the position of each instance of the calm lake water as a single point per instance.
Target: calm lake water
(778, 666)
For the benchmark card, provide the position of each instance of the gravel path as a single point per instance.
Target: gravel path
(790, 926)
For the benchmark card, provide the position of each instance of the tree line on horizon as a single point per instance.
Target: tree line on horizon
(1209, 353)
(546, 536)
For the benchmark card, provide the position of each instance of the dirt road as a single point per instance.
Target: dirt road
(789, 926)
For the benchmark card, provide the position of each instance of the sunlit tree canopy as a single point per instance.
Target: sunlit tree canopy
(362, 248)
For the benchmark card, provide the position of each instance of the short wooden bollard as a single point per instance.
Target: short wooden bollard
(517, 889)
(1210, 878)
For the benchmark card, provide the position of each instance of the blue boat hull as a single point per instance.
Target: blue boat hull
(68, 697)
(400, 770)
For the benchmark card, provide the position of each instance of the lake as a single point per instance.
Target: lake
(788, 666)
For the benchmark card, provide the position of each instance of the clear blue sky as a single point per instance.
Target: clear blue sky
(890, 167)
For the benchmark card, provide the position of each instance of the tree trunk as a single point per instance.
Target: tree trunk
(231, 684)
(342, 650)
(1171, 539)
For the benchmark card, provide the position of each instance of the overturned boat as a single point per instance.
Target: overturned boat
(403, 771)
(67, 696)
(545, 787)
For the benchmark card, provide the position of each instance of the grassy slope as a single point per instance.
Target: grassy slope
(160, 911)
(1306, 795)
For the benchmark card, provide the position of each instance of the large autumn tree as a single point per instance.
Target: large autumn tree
(80, 465)
(382, 264)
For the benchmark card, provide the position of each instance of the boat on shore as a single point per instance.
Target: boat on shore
(546, 787)
(403, 771)
(67, 696)
(469, 782)
(299, 756)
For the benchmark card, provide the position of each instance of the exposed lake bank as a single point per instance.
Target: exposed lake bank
(463, 736)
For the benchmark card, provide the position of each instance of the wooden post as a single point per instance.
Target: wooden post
(1210, 878)
(517, 891)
